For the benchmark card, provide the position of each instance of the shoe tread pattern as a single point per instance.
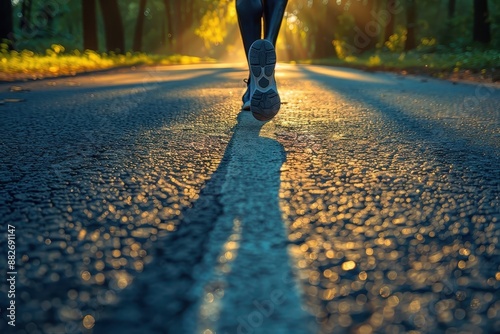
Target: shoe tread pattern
(265, 102)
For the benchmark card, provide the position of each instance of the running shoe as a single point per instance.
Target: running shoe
(264, 98)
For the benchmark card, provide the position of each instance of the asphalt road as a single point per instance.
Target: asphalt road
(144, 201)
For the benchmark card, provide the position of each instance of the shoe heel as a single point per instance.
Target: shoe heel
(265, 101)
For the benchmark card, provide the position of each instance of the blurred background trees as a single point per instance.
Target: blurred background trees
(311, 28)
(6, 20)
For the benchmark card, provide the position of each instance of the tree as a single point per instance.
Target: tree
(24, 23)
(450, 28)
(411, 23)
(481, 27)
(389, 28)
(322, 23)
(90, 40)
(451, 8)
(181, 15)
(179, 27)
(169, 20)
(45, 18)
(6, 22)
(113, 25)
(139, 26)
(366, 31)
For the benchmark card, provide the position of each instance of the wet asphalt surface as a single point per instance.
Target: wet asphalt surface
(144, 201)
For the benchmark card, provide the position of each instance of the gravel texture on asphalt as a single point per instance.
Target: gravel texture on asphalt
(144, 201)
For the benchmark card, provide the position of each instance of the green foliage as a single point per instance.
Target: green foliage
(213, 27)
(345, 27)
(457, 32)
(427, 44)
(396, 42)
(341, 49)
(495, 23)
(476, 61)
(374, 60)
(55, 62)
(51, 22)
(344, 36)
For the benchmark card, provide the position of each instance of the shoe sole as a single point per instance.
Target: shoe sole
(265, 101)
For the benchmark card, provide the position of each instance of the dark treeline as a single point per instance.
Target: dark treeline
(356, 26)
(105, 25)
(311, 28)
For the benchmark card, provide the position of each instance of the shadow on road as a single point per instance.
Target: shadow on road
(250, 286)
(226, 268)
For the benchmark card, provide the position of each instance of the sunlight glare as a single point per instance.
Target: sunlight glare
(348, 74)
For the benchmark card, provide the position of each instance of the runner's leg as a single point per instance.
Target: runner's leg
(273, 15)
(250, 14)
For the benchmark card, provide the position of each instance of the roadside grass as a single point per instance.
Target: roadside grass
(480, 64)
(27, 65)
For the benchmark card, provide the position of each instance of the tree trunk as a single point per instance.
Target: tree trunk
(113, 26)
(451, 8)
(163, 34)
(46, 19)
(332, 22)
(367, 30)
(389, 28)
(90, 39)
(189, 18)
(324, 34)
(169, 19)
(24, 23)
(411, 23)
(178, 26)
(448, 35)
(318, 34)
(6, 22)
(481, 29)
(139, 27)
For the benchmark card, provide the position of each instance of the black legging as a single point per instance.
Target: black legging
(250, 14)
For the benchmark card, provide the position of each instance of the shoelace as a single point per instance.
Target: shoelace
(246, 95)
